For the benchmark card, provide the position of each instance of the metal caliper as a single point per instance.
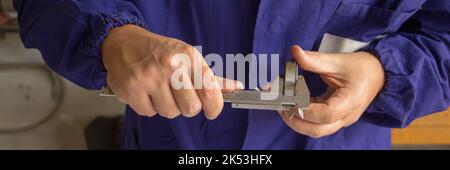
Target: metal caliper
(285, 94)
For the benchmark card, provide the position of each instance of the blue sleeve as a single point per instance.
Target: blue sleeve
(416, 60)
(69, 34)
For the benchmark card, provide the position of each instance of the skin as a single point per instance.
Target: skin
(140, 66)
(354, 80)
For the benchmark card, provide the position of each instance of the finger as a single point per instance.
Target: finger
(211, 96)
(164, 102)
(315, 62)
(311, 129)
(187, 99)
(209, 92)
(206, 84)
(267, 87)
(142, 104)
(335, 108)
(228, 85)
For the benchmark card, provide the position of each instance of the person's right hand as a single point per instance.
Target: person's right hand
(140, 65)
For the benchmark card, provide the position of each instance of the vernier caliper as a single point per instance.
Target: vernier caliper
(286, 94)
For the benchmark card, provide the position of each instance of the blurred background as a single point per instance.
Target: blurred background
(41, 110)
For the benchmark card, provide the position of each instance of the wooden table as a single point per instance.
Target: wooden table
(429, 130)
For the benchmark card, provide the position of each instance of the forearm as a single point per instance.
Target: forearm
(72, 46)
(417, 65)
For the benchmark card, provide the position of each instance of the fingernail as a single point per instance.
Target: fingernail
(239, 85)
(266, 87)
(301, 113)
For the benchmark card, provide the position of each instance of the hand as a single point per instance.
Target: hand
(354, 80)
(140, 65)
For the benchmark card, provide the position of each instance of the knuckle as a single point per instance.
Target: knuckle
(354, 120)
(175, 42)
(130, 85)
(167, 62)
(329, 117)
(110, 79)
(173, 62)
(150, 113)
(187, 49)
(147, 114)
(210, 94)
(192, 108)
(121, 95)
(124, 96)
(140, 113)
(315, 57)
(213, 113)
(121, 100)
(211, 116)
(170, 114)
(351, 121)
(151, 71)
(315, 133)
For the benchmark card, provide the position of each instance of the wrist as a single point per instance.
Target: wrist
(376, 71)
(117, 40)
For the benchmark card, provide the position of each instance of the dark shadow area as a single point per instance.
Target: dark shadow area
(104, 133)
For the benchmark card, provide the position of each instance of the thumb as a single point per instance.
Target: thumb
(315, 62)
(228, 85)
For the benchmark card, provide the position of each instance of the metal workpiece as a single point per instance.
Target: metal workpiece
(289, 94)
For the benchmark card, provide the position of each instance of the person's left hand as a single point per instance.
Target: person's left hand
(354, 80)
